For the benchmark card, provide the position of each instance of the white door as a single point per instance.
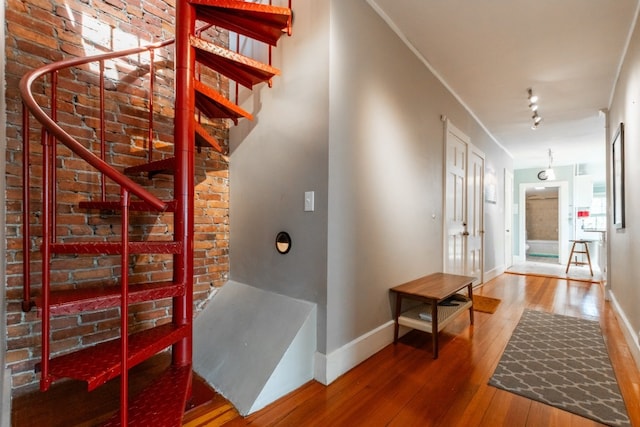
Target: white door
(508, 219)
(454, 199)
(463, 205)
(475, 214)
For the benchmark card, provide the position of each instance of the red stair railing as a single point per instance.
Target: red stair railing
(124, 311)
(51, 134)
(51, 131)
(269, 21)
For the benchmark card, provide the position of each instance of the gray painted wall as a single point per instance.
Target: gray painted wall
(624, 249)
(355, 117)
(278, 157)
(386, 171)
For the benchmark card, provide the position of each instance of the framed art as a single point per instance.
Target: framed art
(617, 172)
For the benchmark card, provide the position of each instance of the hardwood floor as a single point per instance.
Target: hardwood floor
(403, 386)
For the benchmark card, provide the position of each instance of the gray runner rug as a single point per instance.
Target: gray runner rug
(562, 361)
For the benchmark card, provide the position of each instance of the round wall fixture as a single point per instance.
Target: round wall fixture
(283, 242)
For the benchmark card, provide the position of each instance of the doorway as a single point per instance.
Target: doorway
(559, 218)
(542, 224)
(463, 244)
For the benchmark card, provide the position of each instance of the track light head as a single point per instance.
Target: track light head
(533, 106)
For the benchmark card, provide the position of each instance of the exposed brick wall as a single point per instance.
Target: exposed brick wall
(40, 32)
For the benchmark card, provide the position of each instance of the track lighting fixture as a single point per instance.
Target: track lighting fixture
(533, 106)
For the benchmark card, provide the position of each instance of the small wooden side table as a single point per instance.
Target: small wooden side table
(430, 316)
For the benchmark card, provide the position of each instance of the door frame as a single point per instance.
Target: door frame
(508, 218)
(563, 215)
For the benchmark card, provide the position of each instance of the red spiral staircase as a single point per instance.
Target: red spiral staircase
(162, 403)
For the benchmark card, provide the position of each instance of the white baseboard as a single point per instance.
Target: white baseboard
(331, 366)
(493, 273)
(627, 330)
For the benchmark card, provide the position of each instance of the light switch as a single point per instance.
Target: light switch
(309, 201)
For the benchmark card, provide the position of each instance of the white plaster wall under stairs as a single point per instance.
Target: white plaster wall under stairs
(254, 346)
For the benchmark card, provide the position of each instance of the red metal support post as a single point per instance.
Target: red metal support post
(27, 303)
(152, 78)
(45, 380)
(54, 153)
(103, 148)
(184, 184)
(124, 311)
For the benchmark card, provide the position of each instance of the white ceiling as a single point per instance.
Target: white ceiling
(489, 52)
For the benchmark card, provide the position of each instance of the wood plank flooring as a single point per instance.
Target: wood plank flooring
(403, 386)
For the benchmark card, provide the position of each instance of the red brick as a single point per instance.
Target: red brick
(64, 346)
(28, 34)
(72, 333)
(22, 379)
(13, 357)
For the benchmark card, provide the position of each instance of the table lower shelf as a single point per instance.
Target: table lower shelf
(411, 318)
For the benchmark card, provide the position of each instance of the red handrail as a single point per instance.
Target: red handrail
(50, 133)
(56, 131)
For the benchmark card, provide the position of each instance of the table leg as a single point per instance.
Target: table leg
(470, 287)
(570, 255)
(586, 250)
(434, 327)
(396, 326)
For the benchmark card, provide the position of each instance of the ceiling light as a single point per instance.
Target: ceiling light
(551, 175)
(533, 105)
(547, 174)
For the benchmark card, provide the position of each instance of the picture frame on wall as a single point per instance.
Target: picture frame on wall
(617, 172)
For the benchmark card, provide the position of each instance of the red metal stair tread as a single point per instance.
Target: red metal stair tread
(115, 248)
(257, 21)
(203, 138)
(240, 68)
(166, 166)
(162, 403)
(216, 106)
(98, 364)
(137, 206)
(76, 300)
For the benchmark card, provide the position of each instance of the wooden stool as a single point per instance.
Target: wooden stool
(585, 244)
